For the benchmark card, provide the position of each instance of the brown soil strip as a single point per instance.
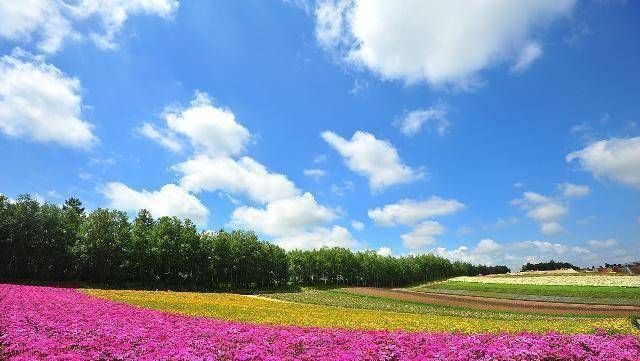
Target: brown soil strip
(497, 304)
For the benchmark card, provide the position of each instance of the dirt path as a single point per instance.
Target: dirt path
(497, 304)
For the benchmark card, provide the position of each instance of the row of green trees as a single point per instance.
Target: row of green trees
(49, 242)
(548, 266)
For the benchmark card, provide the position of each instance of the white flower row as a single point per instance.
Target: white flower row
(587, 280)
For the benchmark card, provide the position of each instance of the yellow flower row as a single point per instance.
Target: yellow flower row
(558, 280)
(261, 310)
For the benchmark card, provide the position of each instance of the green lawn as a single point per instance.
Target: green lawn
(580, 294)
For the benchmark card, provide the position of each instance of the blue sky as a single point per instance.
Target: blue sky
(501, 132)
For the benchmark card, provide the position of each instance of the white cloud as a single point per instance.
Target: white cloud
(375, 159)
(570, 190)
(170, 200)
(437, 42)
(315, 173)
(486, 252)
(488, 246)
(244, 176)
(617, 159)
(384, 251)
(410, 212)
(543, 246)
(602, 244)
(284, 217)
(20, 20)
(515, 254)
(422, 235)
(166, 139)
(413, 121)
(210, 130)
(114, 13)
(552, 228)
(40, 103)
(357, 225)
(527, 56)
(317, 238)
(53, 21)
(546, 210)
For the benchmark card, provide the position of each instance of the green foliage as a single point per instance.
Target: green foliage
(63, 243)
(548, 266)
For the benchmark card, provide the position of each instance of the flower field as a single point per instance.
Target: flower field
(66, 324)
(434, 319)
(557, 280)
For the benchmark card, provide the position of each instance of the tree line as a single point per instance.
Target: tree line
(548, 266)
(65, 243)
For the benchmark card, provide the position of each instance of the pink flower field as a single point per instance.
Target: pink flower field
(65, 324)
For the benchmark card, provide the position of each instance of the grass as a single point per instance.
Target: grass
(327, 309)
(579, 294)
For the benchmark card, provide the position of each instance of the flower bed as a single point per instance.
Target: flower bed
(557, 280)
(56, 323)
(241, 308)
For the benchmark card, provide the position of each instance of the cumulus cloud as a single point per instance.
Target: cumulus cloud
(410, 212)
(487, 251)
(166, 139)
(51, 22)
(617, 159)
(384, 251)
(436, 42)
(317, 238)
(211, 130)
(551, 228)
(357, 225)
(292, 219)
(284, 217)
(170, 200)
(413, 121)
(488, 246)
(546, 210)
(515, 254)
(422, 235)
(244, 176)
(373, 158)
(570, 190)
(40, 103)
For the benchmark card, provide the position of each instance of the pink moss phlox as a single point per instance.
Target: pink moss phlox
(64, 324)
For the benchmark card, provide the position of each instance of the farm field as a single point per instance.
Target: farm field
(573, 288)
(344, 310)
(63, 323)
(577, 279)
